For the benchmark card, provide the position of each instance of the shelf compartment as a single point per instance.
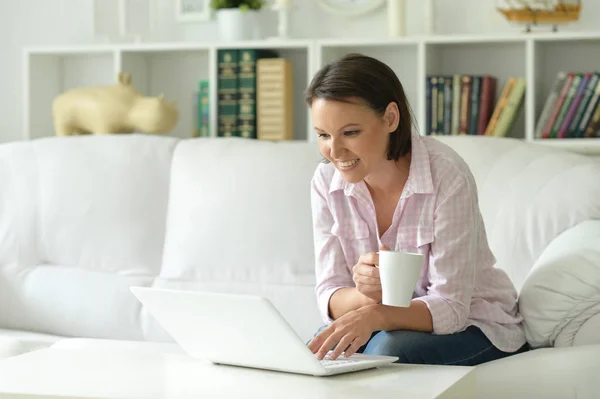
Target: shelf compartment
(50, 74)
(174, 73)
(502, 59)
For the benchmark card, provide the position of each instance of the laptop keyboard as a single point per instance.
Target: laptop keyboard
(328, 362)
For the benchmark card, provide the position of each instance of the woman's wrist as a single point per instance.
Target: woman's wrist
(365, 300)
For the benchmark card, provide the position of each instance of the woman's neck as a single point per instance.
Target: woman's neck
(390, 179)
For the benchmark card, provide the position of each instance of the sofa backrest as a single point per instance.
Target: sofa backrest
(84, 218)
(239, 220)
(81, 219)
(528, 195)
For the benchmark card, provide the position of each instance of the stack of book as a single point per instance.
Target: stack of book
(572, 109)
(239, 92)
(464, 105)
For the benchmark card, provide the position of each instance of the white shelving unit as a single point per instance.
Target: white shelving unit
(175, 69)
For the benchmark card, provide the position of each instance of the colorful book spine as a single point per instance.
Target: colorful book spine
(498, 110)
(509, 113)
(570, 95)
(428, 88)
(593, 128)
(434, 100)
(227, 92)
(203, 109)
(440, 104)
(587, 115)
(456, 104)
(474, 112)
(486, 104)
(448, 97)
(587, 96)
(550, 101)
(465, 109)
(546, 131)
(564, 128)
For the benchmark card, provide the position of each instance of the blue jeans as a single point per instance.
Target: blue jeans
(466, 348)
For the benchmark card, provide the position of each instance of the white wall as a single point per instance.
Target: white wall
(64, 22)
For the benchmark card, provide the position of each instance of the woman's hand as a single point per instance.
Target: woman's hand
(366, 276)
(347, 334)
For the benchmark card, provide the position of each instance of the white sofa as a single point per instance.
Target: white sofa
(84, 218)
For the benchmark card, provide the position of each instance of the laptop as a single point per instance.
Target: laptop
(241, 330)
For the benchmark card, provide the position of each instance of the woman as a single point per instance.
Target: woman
(382, 186)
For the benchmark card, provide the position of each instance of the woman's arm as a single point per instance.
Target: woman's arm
(336, 294)
(346, 300)
(416, 317)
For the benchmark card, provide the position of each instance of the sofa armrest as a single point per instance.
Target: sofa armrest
(562, 291)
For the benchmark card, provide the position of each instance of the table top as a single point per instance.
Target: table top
(113, 374)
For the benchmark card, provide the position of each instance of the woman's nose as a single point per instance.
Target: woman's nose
(337, 149)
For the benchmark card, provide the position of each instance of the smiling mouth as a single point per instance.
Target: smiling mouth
(348, 164)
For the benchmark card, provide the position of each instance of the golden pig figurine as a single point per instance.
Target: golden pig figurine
(119, 108)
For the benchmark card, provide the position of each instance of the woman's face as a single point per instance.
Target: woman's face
(352, 136)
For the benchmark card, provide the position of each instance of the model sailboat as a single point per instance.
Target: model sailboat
(534, 12)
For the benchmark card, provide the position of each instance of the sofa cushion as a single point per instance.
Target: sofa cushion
(239, 220)
(528, 195)
(563, 289)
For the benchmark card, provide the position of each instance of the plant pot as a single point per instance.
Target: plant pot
(235, 24)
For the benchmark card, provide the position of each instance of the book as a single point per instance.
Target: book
(203, 109)
(246, 89)
(559, 82)
(227, 93)
(275, 99)
(589, 111)
(465, 106)
(511, 107)
(568, 98)
(546, 131)
(486, 102)
(456, 104)
(587, 96)
(564, 128)
(508, 87)
(474, 105)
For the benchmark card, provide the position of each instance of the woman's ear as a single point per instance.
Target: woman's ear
(391, 117)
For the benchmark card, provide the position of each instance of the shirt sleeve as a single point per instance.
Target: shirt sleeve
(331, 270)
(458, 231)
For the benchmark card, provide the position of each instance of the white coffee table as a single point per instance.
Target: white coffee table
(117, 374)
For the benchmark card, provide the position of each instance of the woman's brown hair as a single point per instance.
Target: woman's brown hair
(359, 76)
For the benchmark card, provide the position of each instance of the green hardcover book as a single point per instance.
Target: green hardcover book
(227, 92)
(247, 90)
(203, 109)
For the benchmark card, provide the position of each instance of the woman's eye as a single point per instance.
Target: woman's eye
(322, 135)
(351, 132)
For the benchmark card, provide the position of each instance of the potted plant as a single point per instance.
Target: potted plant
(237, 19)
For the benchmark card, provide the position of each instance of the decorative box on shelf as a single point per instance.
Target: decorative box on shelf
(176, 68)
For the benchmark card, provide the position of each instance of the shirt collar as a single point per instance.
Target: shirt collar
(419, 177)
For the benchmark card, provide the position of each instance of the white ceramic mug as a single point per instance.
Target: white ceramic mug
(399, 273)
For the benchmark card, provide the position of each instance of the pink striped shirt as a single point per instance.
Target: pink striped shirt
(437, 215)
